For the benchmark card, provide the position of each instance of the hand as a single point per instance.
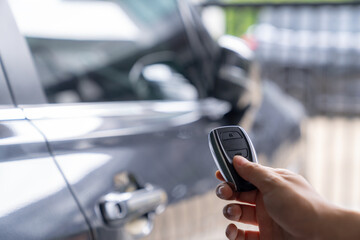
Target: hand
(285, 206)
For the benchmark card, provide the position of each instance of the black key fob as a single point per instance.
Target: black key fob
(225, 143)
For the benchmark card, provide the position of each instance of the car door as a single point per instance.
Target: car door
(36, 202)
(124, 147)
(122, 157)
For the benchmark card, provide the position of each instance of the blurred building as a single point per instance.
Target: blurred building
(313, 52)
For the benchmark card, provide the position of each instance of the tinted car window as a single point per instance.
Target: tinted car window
(88, 51)
(5, 98)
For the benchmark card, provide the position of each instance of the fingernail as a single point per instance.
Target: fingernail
(228, 231)
(231, 231)
(233, 212)
(219, 191)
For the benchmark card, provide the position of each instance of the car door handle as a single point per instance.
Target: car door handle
(120, 208)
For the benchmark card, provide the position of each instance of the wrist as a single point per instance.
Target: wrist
(339, 223)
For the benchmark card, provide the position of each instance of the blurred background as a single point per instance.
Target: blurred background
(299, 61)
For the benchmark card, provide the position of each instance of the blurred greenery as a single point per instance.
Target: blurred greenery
(238, 20)
(282, 1)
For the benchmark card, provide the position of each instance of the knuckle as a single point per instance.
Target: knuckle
(254, 168)
(273, 180)
(283, 171)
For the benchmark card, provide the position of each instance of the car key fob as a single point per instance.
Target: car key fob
(225, 143)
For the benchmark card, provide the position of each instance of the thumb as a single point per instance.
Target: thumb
(260, 176)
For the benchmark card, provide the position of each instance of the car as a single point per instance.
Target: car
(104, 118)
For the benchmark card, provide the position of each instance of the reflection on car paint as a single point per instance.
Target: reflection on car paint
(31, 182)
(81, 164)
(10, 113)
(25, 179)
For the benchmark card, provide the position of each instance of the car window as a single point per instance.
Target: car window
(88, 51)
(5, 98)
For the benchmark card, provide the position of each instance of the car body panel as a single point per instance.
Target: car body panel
(35, 200)
(152, 140)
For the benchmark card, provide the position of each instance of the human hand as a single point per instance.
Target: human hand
(285, 206)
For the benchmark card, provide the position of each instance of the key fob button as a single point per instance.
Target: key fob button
(234, 144)
(230, 135)
(242, 152)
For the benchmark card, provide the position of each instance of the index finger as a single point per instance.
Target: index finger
(219, 176)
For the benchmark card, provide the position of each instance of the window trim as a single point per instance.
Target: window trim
(5, 96)
(24, 83)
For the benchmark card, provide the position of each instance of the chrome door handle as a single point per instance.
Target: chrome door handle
(120, 208)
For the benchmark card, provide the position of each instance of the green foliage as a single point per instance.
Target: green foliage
(238, 20)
